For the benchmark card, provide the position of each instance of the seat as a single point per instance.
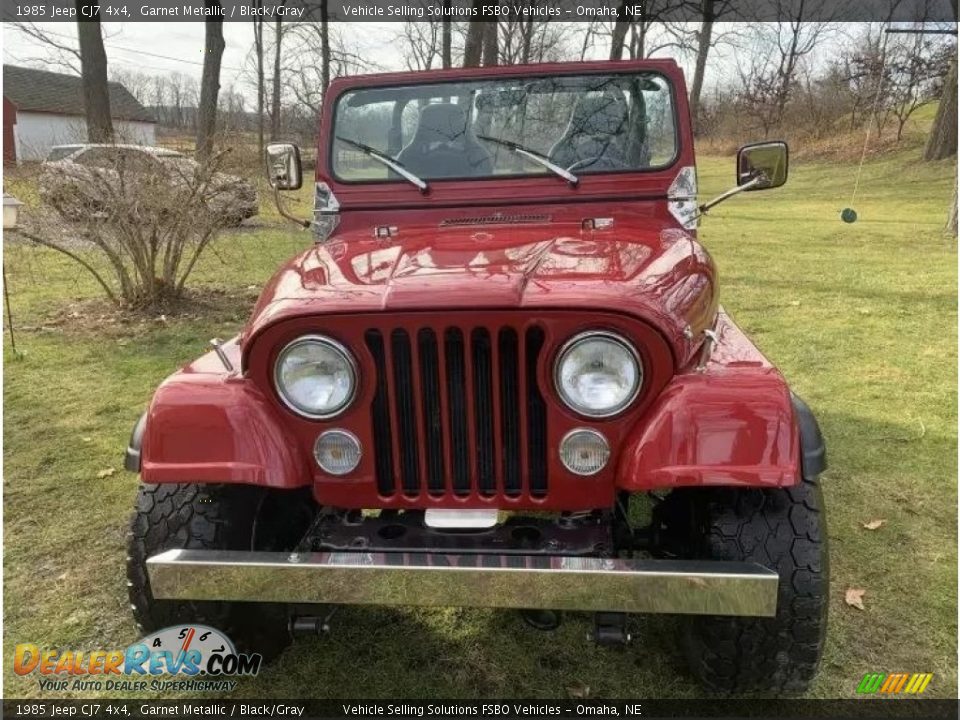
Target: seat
(444, 145)
(598, 129)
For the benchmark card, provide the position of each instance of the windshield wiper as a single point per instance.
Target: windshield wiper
(388, 161)
(536, 157)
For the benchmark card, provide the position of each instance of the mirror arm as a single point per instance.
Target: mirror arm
(284, 213)
(731, 192)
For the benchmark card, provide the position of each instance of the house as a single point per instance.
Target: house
(42, 109)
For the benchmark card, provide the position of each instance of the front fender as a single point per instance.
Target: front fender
(208, 425)
(731, 422)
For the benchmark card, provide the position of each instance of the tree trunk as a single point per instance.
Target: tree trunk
(473, 47)
(445, 29)
(528, 30)
(490, 48)
(258, 49)
(620, 28)
(703, 50)
(324, 47)
(952, 220)
(942, 142)
(209, 85)
(93, 73)
(275, 104)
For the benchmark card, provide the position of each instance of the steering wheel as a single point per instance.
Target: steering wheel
(610, 163)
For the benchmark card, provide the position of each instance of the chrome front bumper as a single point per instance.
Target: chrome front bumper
(493, 581)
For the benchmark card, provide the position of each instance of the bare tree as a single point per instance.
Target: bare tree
(62, 54)
(139, 84)
(528, 40)
(704, 36)
(942, 141)
(704, 39)
(210, 82)
(324, 47)
(473, 45)
(769, 76)
(275, 104)
(423, 43)
(93, 74)
(491, 49)
(318, 51)
(258, 52)
(861, 63)
(446, 34)
(146, 224)
(620, 28)
(915, 69)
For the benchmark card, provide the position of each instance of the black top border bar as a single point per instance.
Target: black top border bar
(899, 11)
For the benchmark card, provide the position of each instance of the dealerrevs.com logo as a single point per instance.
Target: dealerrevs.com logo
(172, 659)
(894, 683)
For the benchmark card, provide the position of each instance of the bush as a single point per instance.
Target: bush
(149, 218)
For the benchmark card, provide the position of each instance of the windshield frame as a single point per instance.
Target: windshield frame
(671, 86)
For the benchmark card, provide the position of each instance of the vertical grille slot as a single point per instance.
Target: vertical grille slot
(536, 417)
(459, 411)
(406, 411)
(432, 420)
(482, 354)
(457, 399)
(380, 415)
(510, 411)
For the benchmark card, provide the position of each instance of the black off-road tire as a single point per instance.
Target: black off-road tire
(207, 517)
(784, 530)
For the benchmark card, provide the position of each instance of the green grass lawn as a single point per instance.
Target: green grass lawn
(861, 318)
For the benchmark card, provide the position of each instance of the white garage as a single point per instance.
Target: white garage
(43, 109)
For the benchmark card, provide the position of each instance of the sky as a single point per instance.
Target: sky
(161, 48)
(137, 46)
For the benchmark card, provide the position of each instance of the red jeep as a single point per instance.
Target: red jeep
(500, 377)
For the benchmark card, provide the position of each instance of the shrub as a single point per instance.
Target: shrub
(149, 218)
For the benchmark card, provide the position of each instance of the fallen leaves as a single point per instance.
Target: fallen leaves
(854, 598)
(873, 524)
(106, 472)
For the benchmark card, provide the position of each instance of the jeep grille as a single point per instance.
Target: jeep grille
(459, 411)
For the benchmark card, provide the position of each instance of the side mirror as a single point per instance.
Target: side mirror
(284, 170)
(762, 165)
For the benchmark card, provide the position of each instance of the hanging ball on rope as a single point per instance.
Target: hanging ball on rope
(848, 215)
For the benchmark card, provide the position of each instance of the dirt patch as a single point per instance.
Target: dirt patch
(97, 315)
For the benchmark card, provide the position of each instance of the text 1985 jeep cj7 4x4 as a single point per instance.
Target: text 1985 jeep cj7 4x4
(505, 340)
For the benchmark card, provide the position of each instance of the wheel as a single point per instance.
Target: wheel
(784, 530)
(213, 517)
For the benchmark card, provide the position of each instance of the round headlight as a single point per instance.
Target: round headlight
(598, 374)
(316, 376)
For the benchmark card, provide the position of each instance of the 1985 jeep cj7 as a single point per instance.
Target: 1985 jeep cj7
(505, 341)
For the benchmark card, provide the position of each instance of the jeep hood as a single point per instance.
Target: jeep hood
(657, 273)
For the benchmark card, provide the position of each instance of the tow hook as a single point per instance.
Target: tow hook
(610, 629)
(311, 624)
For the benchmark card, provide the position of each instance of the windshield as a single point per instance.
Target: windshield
(506, 127)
